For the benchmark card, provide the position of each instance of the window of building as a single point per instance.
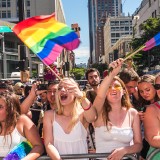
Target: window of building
(12, 57)
(112, 34)
(28, 3)
(9, 44)
(8, 14)
(122, 22)
(28, 13)
(126, 23)
(117, 23)
(4, 14)
(8, 3)
(117, 35)
(3, 3)
(112, 29)
(126, 28)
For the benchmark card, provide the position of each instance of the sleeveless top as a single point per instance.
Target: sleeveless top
(10, 141)
(115, 137)
(72, 143)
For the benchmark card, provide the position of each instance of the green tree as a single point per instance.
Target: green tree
(101, 67)
(78, 73)
(147, 58)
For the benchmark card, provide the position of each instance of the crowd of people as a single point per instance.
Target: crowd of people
(119, 115)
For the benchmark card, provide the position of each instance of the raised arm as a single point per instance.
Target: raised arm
(101, 94)
(48, 135)
(27, 103)
(152, 126)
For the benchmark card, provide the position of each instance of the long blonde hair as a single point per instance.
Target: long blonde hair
(76, 105)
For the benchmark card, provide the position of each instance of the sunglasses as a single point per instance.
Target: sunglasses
(157, 86)
(116, 87)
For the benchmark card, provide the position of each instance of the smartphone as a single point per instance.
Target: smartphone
(42, 87)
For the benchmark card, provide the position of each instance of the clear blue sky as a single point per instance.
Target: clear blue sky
(76, 11)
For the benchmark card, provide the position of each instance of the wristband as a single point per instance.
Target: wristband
(83, 97)
(86, 109)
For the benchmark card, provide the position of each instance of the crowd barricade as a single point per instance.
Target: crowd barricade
(96, 155)
(90, 155)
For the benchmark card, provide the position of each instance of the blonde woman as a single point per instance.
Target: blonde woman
(65, 129)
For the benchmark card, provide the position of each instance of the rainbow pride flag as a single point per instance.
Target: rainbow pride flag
(20, 151)
(155, 41)
(46, 37)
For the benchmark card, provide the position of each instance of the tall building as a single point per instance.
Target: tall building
(114, 29)
(147, 9)
(9, 12)
(98, 11)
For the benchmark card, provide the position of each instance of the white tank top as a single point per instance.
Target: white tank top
(108, 140)
(72, 143)
(8, 143)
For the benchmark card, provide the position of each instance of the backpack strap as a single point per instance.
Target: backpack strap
(157, 104)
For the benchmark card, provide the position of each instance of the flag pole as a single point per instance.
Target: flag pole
(132, 54)
(54, 72)
(110, 69)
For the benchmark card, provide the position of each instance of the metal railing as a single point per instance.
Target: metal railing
(82, 156)
(97, 155)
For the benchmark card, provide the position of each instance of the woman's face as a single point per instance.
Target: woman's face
(157, 83)
(65, 96)
(3, 112)
(115, 92)
(147, 91)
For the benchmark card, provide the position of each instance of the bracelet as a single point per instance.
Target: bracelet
(86, 109)
(83, 97)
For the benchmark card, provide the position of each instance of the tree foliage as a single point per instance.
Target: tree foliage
(147, 58)
(101, 67)
(78, 73)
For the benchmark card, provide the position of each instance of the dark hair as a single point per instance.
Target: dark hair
(53, 82)
(3, 85)
(127, 75)
(91, 70)
(149, 79)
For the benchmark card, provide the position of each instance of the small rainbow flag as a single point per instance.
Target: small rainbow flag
(20, 151)
(155, 41)
(46, 37)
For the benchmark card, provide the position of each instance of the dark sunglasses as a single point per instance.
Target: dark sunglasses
(157, 86)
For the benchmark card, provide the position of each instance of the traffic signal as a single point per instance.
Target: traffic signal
(76, 28)
(23, 62)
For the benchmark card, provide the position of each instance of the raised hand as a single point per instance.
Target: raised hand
(116, 66)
